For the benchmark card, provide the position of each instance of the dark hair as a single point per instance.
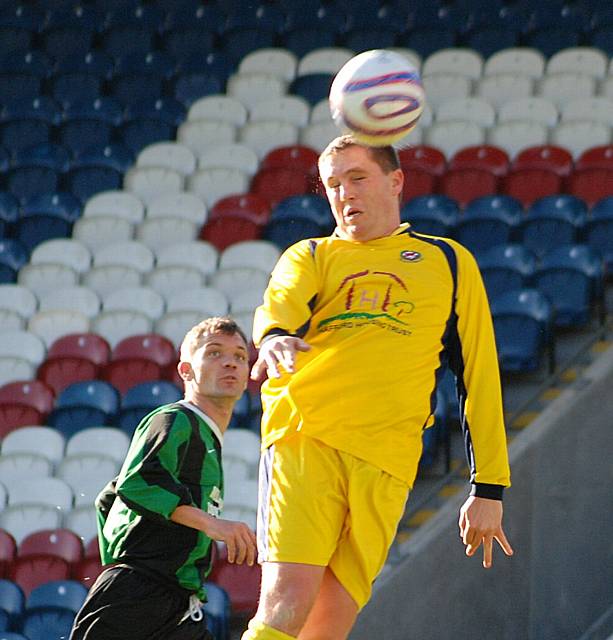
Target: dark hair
(386, 157)
(218, 324)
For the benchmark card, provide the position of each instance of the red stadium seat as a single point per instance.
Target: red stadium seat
(277, 183)
(8, 552)
(424, 157)
(30, 571)
(545, 156)
(127, 372)
(61, 543)
(224, 230)
(240, 581)
(596, 158)
(30, 393)
(297, 156)
(58, 373)
(483, 156)
(464, 185)
(86, 571)
(591, 184)
(14, 416)
(249, 204)
(418, 182)
(150, 346)
(527, 185)
(92, 549)
(88, 346)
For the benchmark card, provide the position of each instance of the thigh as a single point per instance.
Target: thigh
(125, 604)
(376, 504)
(303, 502)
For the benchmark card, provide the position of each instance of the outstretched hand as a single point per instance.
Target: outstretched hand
(481, 523)
(239, 539)
(280, 350)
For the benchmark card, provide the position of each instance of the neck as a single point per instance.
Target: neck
(219, 409)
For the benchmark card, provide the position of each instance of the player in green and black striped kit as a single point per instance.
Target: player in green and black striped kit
(158, 518)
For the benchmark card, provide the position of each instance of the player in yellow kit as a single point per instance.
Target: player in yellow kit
(353, 332)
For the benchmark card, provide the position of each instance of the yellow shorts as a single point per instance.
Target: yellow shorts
(325, 507)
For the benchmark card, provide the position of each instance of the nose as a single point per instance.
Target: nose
(229, 362)
(345, 191)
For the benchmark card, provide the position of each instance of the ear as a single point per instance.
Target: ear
(185, 370)
(397, 181)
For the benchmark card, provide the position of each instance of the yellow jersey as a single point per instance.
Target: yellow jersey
(382, 319)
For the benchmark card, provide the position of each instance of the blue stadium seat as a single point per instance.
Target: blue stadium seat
(13, 255)
(15, 39)
(85, 182)
(241, 413)
(27, 181)
(24, 15)
(190, 87)
(332, 18)
(313, 87)
(488, 221)
(116, 156)
(310, 206)
(153, 62)
(431, 214)
(67, 40)
(436, 15)
(76, 86)
(552, 221)
(190, 14)
(47, 625)
(286, 231)
(599, 230)
(238, 42)
(84, 16)
(12, 601)
(142, 398)
(167, 110)
(571, 277)
(40, 108)
(301, 40)
(505, 268)
(147, 86)
(19, 86)
(557, 15)
(33, 63)
(217, 610)
(183, 42)
(33, 228)
(255, 16)
(5, 159)
(57, 594)
(488, 40)
(96, 62)
(84, 404)
(214, 63)
(60, 203)
(550, 40)
(523, 321)
(364, 39)
(78, 134)
(19, 134)
(123, 40)
(602, 38)
(377, 16)
(46, 154)
(9, 211)
(427, 40)
(140, 132)
(103, 109)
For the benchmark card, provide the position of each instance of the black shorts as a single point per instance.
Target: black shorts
(125, 604)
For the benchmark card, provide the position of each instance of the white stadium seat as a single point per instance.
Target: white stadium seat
(324, 60)
(46, 277)
(220, 108)
(97, 231)
(201, 135)
(271, 60)
(69, 252)
(233, 155)
(149, 182)
(51, 325)
(586, 60)
(171, 155)
(142, 299)
(14, 297)
(79, 298)
(451, 136)
(516, 135)
(516, 60)
(501, 88)
(162, 232)
(455, 61)
(534, 108)
(198, 254)
(187, 206)
(267, 135)
(291, 109)
(251, 88)
(115, 203)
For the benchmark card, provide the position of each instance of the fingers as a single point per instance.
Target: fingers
(242, 545)
(487, 552)
(501, 539)
(275, 352)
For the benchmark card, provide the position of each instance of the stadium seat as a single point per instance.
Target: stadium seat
(450, 137)
(523, 327)
(143, 299)
(33, 228)
(488, 221)
(130, 254)
(26, 182)
(552, 221)
(276, 61)
(38, 490)
(142, 398)
(545, 156)
(42, 277)
(116, 325)
(46, 154)
(98, 231)
(12, 598)
(14, 368)
(205, 300)
(93, 61)
(599, 157)
(28, 393)
(22, 520)
(484, 157)
(580, 135)
(39, 440)
(500, 88)
(54, 323)
(85, 471)
(223, 230)
(116, 203)
(431, 214)
(115, 156)
(591, 184)
(313, 87)
(165, 280)
(200, 135)
(528, 185)
(171, 155)
(423, 157)
(211, 185)
(40, 625)
(61, 372)
(24, 345)
(18, 299)
(124, 373)
(87, 346)
(13, 255)
(113, 442)
(80, 299)
(138, 130)
(277, 183)
(465, 184)
(93, 394)
(571, 277)
(599, 230)
(61, 543)
(56, 595)
(85, 182)
(149, 182)
(174, 325)
(256, 253)
(262, 137)
(82, 520)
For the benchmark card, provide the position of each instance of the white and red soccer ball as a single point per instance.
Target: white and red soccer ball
(378, 97)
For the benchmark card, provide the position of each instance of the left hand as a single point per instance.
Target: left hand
(481, 522)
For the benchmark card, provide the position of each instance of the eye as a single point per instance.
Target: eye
(213, 354)
(241, 358)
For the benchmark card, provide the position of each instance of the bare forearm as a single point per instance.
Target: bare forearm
(192, 517)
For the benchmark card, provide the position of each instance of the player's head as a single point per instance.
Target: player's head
(364, 186)
(214, 359)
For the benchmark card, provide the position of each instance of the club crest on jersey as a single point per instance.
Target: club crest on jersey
(410, 256)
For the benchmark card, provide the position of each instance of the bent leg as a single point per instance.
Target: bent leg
(333, 613)
(289, 591)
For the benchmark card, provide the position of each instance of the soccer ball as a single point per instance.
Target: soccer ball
(378, 97)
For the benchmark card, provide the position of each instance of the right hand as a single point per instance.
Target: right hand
(280, 350)
(240, 540)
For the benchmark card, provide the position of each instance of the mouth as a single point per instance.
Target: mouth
(351, 214)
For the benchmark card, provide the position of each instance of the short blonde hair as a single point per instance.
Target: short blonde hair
(195, 336)
(386, 157)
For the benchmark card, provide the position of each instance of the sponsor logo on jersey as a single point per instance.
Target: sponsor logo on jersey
(376, 298)
(410, 256)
